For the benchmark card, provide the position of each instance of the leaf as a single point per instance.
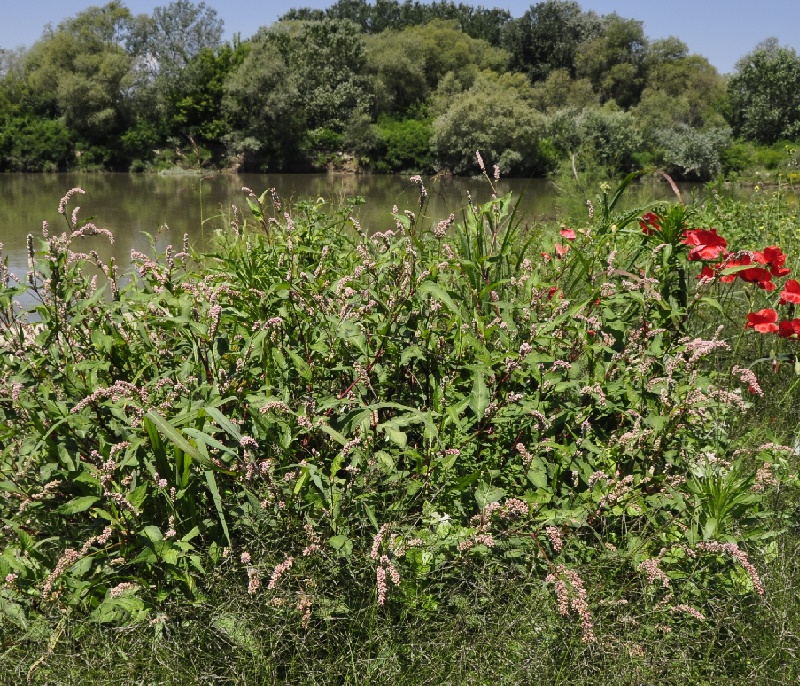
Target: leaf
(212, 486)
(78, 505)
(178, 440)
(341, 544)
(479, 397)
(485, 494)
(223, 422)
(434, 290)
(394, 434)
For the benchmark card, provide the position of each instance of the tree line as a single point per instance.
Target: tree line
(386, 86)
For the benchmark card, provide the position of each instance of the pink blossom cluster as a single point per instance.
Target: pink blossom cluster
(570, 593)
(737, 554)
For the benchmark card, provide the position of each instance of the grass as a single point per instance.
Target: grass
(494, 630)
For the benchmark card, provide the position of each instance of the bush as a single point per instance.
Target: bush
(694, 154)
(346, 420)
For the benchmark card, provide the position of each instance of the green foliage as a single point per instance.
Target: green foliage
(595, 135)
(765, 94)
(409, 65)
(315, 409)
(547, 37)
(391, 15)
(31, 144)
(614, 60)
(694, 154)
(493, 116)
(406, 143)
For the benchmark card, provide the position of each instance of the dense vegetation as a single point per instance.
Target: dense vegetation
(395, 85)
(317, 442)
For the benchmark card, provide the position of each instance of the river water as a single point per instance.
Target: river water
(169, 206)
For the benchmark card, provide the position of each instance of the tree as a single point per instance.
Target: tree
(559, 91)
(614, 60)
(300, 77)
(681, 90)
(81, 73)
(765, 94)
(493, 116)
(174, 35)
(547, 37)
(477, 22)
(409, 64)
(693, 154)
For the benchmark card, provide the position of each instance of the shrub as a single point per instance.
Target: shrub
(349, 418)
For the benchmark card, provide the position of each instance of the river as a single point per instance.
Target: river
(169, 206)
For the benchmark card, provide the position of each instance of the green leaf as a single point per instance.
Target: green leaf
(341, 544)
(78, 505)
(178, 440)
(394, 434)
(212, 486)
(479, 397)
(434, 290)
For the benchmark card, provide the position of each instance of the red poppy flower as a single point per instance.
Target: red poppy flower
(569, 234)
(706, 244)
(790, 293)
(707, 272)
(763, 321)
(734, 262)
(789, 328)
(546, 257)
(649, 224)
(561, 250)
(774, 257)
(759, 276)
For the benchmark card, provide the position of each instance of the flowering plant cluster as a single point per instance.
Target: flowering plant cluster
(314, 403)
(749, 266)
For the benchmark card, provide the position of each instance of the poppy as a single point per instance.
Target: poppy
(649, 224)
(561, 250)
(790, 293)
(569, 234)
(706, 244)
(774, 257)
(789, 328)
(763, 321)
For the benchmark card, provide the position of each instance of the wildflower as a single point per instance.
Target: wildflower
(480, 160)
(279, 571)
(737, 554)
(570, 592)
(556, 540)
(649, 224)
(569, 234)
(763, 321)
(706, 244)
(654, 572)
(773, 257)
(789, 328)
(790, 293)
(561, 250)
(119, 589)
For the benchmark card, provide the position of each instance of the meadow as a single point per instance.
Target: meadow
(469, 449)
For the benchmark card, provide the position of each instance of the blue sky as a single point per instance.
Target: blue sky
(721, 30)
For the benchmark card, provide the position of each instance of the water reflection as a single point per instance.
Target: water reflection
(167, 207)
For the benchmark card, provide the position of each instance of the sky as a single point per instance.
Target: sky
(720, 30)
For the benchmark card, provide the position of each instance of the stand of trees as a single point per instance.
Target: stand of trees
(386, 86)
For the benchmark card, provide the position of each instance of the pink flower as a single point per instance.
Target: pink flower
(569, 234)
